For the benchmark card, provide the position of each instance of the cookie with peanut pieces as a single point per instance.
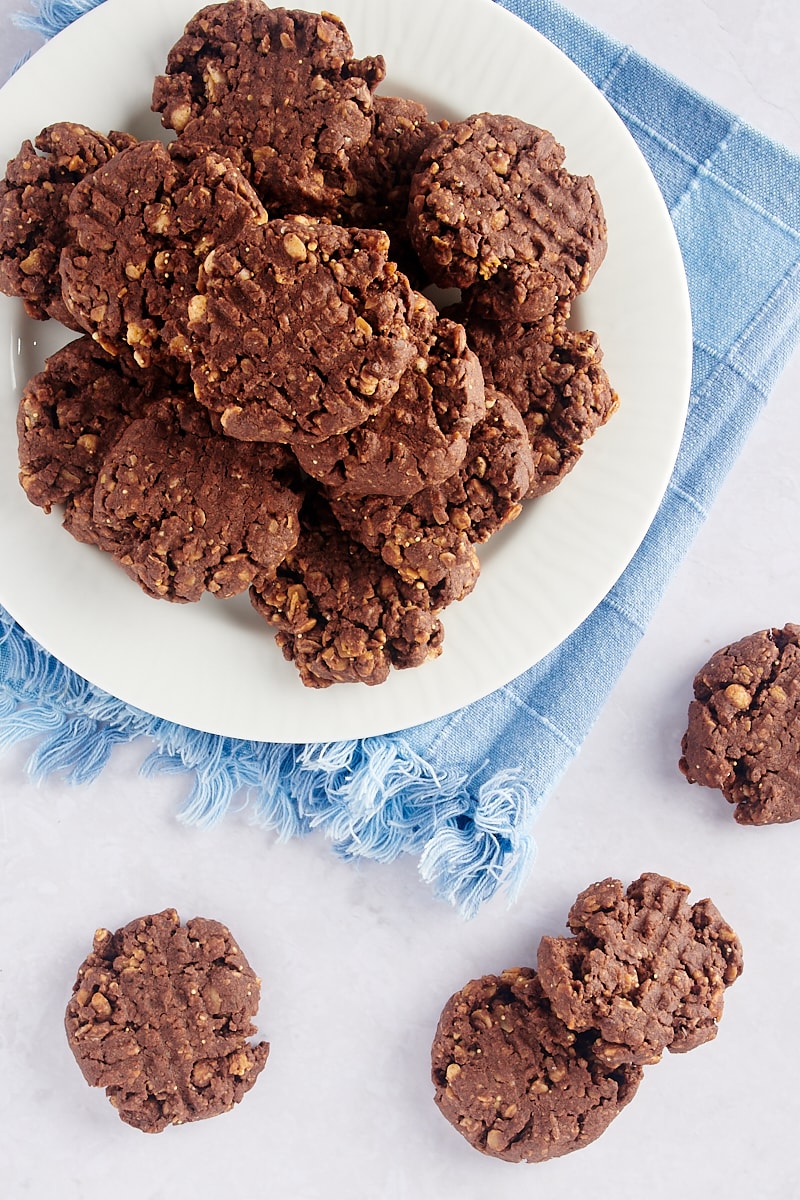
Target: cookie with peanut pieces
(142, 226)
(34, 198)
(303, 331)
(493, 210)
(185, 510)
(513, 1080)
(743, 733)
(556, 378)
(161, 1016)
(280, 92)
(644, 969)
(340, 614)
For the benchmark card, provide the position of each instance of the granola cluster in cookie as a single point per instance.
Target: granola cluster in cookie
(264, 396)
(532, 1064)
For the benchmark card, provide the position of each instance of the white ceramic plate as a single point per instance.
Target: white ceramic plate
(213, 665)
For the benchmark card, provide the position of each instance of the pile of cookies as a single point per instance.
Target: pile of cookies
(532, 1064)
(263, 395)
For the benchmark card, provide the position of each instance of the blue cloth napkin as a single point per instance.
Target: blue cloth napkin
(461, 793)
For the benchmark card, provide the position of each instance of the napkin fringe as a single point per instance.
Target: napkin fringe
(53, 15)
(373, 799)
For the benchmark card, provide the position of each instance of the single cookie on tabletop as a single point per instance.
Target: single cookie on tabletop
(556, 379)
(161, 1016)
(743, 733)
(303, 331)
(644, 969)
(492, 210)
(142, 226)
(34, 197)
(280, 92)
(187, 510)
(340, 613)
(514, 1080)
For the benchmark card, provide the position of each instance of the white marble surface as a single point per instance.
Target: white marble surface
(356, 962)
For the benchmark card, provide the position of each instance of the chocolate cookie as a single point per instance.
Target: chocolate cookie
(33, 211)
(190, 512)
(341, 614)
(645, 970)
(160, 1017)
(514, 1081)
(419, 437)
(279, 92)
(431, 535)
(142, 225)
(744, 726)
(493, 210)
(556, 379)
(303, 331)
(71, 412)
(384, 168)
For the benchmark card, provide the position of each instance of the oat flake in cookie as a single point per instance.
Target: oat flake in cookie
(644, 969)
(743, 733)
(280, 92)
(161, 1016)
(514, 1080)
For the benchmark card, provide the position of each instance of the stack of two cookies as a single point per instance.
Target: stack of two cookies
(529, 1065)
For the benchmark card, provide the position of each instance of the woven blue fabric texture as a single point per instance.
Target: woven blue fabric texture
(461, 793)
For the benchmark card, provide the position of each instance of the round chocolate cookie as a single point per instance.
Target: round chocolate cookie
(341, 614)
(420, 436)
(743, 735)
(493, 210)
(34, 196)
(645, 970)
(190, 511)
(71, 412)
(514, 1081)
(556, 379)
(431, 535)
(279, 92)
(142, 226)
(303, 331)
(160, 1017)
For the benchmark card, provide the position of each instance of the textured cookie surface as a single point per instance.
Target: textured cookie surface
(280, 92)
(34, 198)
(645, 969)
(71, 412)
(142, 226)
(192, 512)
(493, 210)
(161, 1016)
(514, 1081)
(556, 379)
(303, 331)
(420, 436)
(431, 536)
(340, 613)
(743, 733)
